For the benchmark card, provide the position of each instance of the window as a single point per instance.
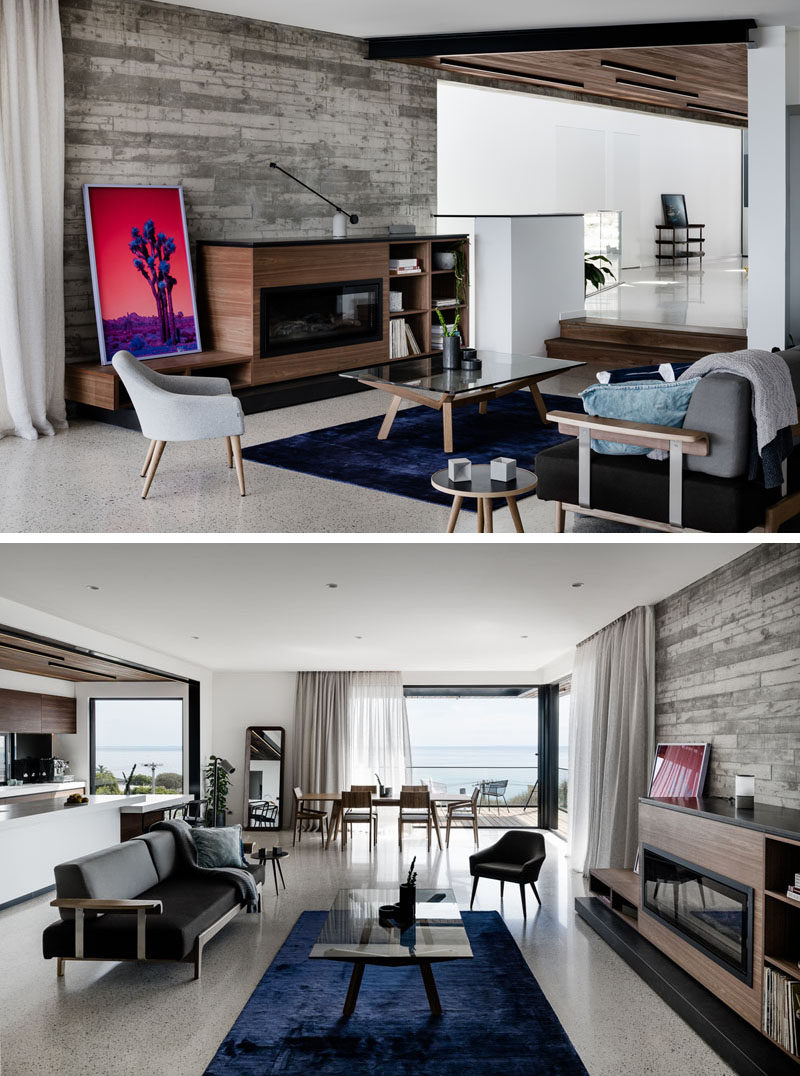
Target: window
(563, 756)
(490, 740)
(137, 739)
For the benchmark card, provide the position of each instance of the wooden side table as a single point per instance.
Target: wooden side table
(485, 490)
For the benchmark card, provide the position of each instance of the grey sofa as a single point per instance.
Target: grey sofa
(707, 489)
(134, 901)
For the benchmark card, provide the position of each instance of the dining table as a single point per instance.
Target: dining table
(442, 799)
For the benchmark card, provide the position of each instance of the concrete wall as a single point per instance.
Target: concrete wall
(728, 671)
(159, 94)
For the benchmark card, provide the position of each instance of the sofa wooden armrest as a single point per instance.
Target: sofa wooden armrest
(89, 904)
(643, 434)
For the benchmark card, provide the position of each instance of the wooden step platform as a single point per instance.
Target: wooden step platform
(612, 344)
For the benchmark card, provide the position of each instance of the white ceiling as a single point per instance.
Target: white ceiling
(366, 18)
(430, 606)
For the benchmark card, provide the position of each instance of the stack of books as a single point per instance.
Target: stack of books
(793, 890)
(782, 1009)
(437, 336)
(404, 266)
(442, 303)
(402, 341)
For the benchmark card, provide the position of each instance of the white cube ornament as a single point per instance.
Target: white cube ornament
(503, 469)
(745, 789)
(459, 470)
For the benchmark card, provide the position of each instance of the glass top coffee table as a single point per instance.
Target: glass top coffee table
(354, 933)
(425, 382)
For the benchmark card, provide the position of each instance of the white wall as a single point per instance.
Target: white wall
(242, 699)
(502, 151)
(39, 685)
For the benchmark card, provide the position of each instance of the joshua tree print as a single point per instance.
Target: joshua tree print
(152, 251)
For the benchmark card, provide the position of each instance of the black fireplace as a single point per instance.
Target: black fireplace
(710, 912)
(310, 317)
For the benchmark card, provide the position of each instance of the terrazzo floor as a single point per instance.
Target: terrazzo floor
(156, 1021)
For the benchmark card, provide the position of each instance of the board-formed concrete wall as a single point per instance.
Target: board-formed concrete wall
(728, 671)
(160, 94)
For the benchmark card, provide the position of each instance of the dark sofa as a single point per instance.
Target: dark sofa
(133, 901)
(715, 493)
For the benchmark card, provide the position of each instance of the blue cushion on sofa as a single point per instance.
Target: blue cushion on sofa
(660, 403)
(218, 847)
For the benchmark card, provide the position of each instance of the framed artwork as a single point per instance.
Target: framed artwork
(674, 206)
(679, 770)
(141, 271)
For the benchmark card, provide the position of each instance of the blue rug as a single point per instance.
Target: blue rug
(496, 1018)
(403, 464)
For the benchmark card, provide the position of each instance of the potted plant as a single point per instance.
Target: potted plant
(451, 343)
(593, 273)
(217, 780)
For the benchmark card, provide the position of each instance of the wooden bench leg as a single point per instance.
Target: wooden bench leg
(560, 514)
(60, 968)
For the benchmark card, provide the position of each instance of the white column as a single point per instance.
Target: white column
(773, 81)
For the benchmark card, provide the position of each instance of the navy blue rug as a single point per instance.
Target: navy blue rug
(495, 1020)
(403, 464)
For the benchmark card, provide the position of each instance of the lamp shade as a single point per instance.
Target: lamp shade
(225, 765)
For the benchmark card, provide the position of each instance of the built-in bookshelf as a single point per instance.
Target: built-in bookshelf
(424, 290)
(781, 1001)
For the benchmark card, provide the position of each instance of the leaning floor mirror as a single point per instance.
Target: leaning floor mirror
(265, 747)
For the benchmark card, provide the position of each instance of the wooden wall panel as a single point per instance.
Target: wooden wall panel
(20, 711)
(59, 714)
(732, 851)
(224, 293)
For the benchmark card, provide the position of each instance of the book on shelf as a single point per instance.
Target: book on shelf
(411, 340)
(404, 266)
(398, 341)
(442, 303)
(797, 880)
(781, 1009)
(793, 894)
(405, 272)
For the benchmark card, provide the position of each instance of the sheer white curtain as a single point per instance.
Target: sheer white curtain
(350, 726)
(378, 741)
(611, 740)
(31, 219)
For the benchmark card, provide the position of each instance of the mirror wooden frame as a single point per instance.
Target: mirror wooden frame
(246, 804)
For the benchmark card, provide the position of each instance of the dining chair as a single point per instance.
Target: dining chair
(177, 408)
(415, 808)
(304, 813)
(357, 808)
(462, 811)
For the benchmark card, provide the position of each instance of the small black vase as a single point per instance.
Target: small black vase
(451, 352)
(407, 904)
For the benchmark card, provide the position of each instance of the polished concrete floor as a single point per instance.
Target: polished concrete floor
(86, 479)
(711, 295)
(156, 1021)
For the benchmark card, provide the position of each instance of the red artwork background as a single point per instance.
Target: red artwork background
(126, 304)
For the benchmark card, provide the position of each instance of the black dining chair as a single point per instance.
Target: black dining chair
(516, 857)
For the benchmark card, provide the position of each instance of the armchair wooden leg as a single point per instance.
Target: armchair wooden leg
(560, 514)
(229, 447)
(502, 887)
(148, 457)
(536, 893)
(155, 459)
(522, 894)
(237, 456)
(474, 888)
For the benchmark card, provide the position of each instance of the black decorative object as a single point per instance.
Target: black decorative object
(340, 219)
(408, 896)
(451, 352)
(469, 359)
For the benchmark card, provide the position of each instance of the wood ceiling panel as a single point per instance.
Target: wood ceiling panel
(19, 653)
(691, 78)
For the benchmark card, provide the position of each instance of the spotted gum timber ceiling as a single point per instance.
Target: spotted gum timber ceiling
(698, 72)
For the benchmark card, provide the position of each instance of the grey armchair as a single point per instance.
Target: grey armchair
(178, 408)
(516, 857)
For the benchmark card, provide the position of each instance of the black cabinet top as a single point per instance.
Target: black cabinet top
(316, 240)
(780, 821)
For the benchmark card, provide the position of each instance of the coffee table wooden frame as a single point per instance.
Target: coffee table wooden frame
(485, 499)
(445, 402)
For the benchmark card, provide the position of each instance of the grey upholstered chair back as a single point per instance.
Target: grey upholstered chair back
(177, 408)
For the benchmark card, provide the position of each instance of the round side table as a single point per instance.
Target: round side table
(271, 857)
(485, 490)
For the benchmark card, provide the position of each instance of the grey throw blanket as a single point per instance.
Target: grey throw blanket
(186, 864)
(774, 407)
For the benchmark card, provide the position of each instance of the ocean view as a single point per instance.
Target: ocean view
(117, 759)
(464, 766)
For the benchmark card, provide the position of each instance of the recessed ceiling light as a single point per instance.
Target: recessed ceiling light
(576, 586)
(332, 586)
(523, 636)
(195, 636)
(91, 586)
(358, 636)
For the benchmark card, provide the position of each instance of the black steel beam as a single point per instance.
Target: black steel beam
(568, 38)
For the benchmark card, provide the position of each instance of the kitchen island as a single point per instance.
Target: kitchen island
(28, 793)
(34, 837)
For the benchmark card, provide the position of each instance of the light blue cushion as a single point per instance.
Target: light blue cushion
(660, 403)
(218, 847)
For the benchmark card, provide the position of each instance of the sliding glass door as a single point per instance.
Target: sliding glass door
(465, 738)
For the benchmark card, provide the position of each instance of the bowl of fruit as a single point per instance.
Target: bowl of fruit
(75, 799)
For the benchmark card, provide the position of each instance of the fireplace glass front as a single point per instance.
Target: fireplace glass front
(712, 913)
(310, 317)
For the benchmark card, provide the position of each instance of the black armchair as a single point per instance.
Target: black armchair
(516, 857)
